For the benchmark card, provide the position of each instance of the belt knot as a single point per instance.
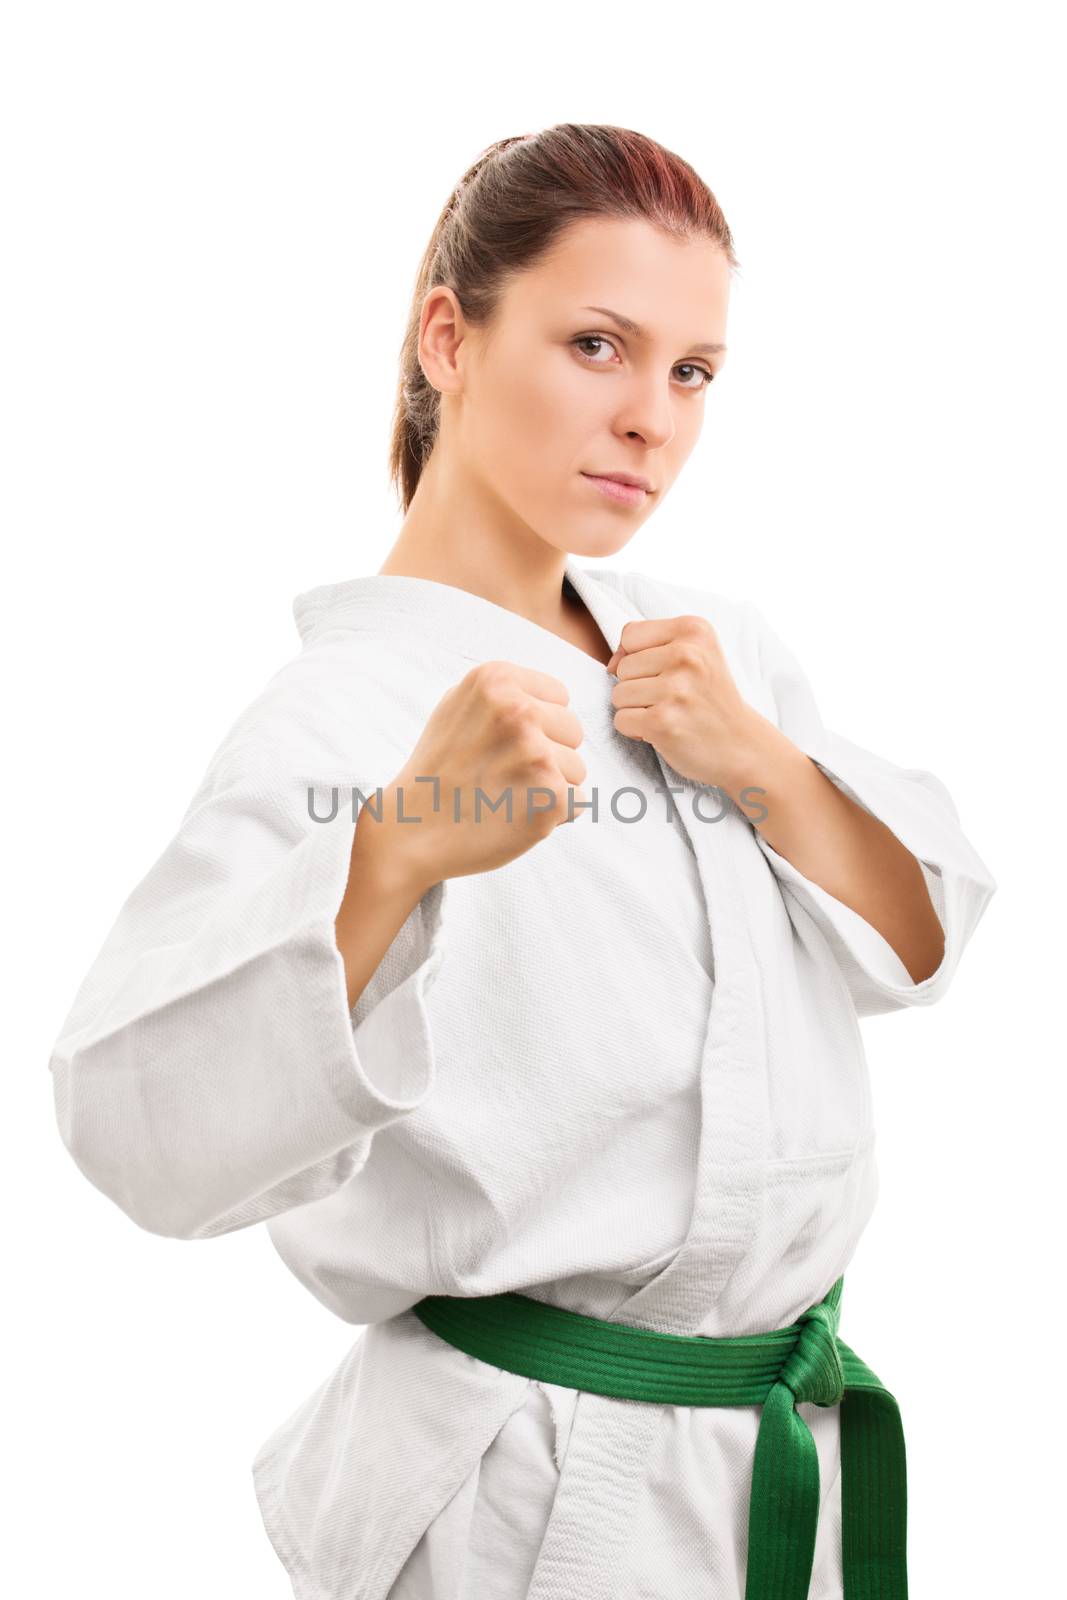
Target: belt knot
(812, 1369)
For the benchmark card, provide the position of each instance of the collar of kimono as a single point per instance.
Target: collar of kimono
(474, 625)
(805, 1361)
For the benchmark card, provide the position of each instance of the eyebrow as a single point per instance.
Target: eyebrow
(630, 326)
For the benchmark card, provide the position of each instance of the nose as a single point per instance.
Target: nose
(648, 412)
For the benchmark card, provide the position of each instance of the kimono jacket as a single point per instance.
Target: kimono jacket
(622, 1074)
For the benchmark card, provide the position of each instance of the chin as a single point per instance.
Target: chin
(597, 546)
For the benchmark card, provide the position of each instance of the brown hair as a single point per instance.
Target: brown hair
(506, 211)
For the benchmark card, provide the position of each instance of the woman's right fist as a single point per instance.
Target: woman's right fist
(504, 730)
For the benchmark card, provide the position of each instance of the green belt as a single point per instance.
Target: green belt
(804, 1361)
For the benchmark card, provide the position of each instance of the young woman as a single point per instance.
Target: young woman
(507, 963)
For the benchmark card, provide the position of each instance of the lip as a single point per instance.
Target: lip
(622, 487)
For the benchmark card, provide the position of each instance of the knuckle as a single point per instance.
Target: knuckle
(540, 769)
(527, 739)
(493, 678)
(513, 717)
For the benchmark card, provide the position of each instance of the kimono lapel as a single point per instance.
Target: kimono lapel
(610, 1440)
(735, 1118)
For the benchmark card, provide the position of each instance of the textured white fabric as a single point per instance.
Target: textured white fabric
(644, 913)
(623, 1073)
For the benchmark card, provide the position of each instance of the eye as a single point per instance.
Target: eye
(689, 366)
(683, 366)
(593, 338)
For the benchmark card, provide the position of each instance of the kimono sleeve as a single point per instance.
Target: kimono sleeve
(210, 1073)
(918, 809)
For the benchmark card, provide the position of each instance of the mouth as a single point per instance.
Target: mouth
(623, 487)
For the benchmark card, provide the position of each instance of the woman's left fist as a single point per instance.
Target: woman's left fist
(676, 692)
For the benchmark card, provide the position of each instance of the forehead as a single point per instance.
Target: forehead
(656, 278)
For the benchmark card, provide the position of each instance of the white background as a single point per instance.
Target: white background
(214, 216)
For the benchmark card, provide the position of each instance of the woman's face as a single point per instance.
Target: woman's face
(555, 392)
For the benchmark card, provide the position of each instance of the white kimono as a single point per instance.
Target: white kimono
(622, 1074)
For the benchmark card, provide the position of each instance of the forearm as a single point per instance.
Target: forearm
(382, 890)
(834, 842)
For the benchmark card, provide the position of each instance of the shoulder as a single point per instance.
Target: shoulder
(762, 665)
(736, 620)
(654, 595)
(339, 711)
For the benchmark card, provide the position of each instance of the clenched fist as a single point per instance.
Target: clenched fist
(676, 692)
(508, 731)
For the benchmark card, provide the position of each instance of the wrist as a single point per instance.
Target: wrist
(754, 756)
(385, 854)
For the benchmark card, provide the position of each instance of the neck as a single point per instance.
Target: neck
(457, 532)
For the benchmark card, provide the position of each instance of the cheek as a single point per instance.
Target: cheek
(538, 414)
(547, 394)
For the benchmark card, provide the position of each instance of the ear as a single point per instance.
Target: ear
(441, 330)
